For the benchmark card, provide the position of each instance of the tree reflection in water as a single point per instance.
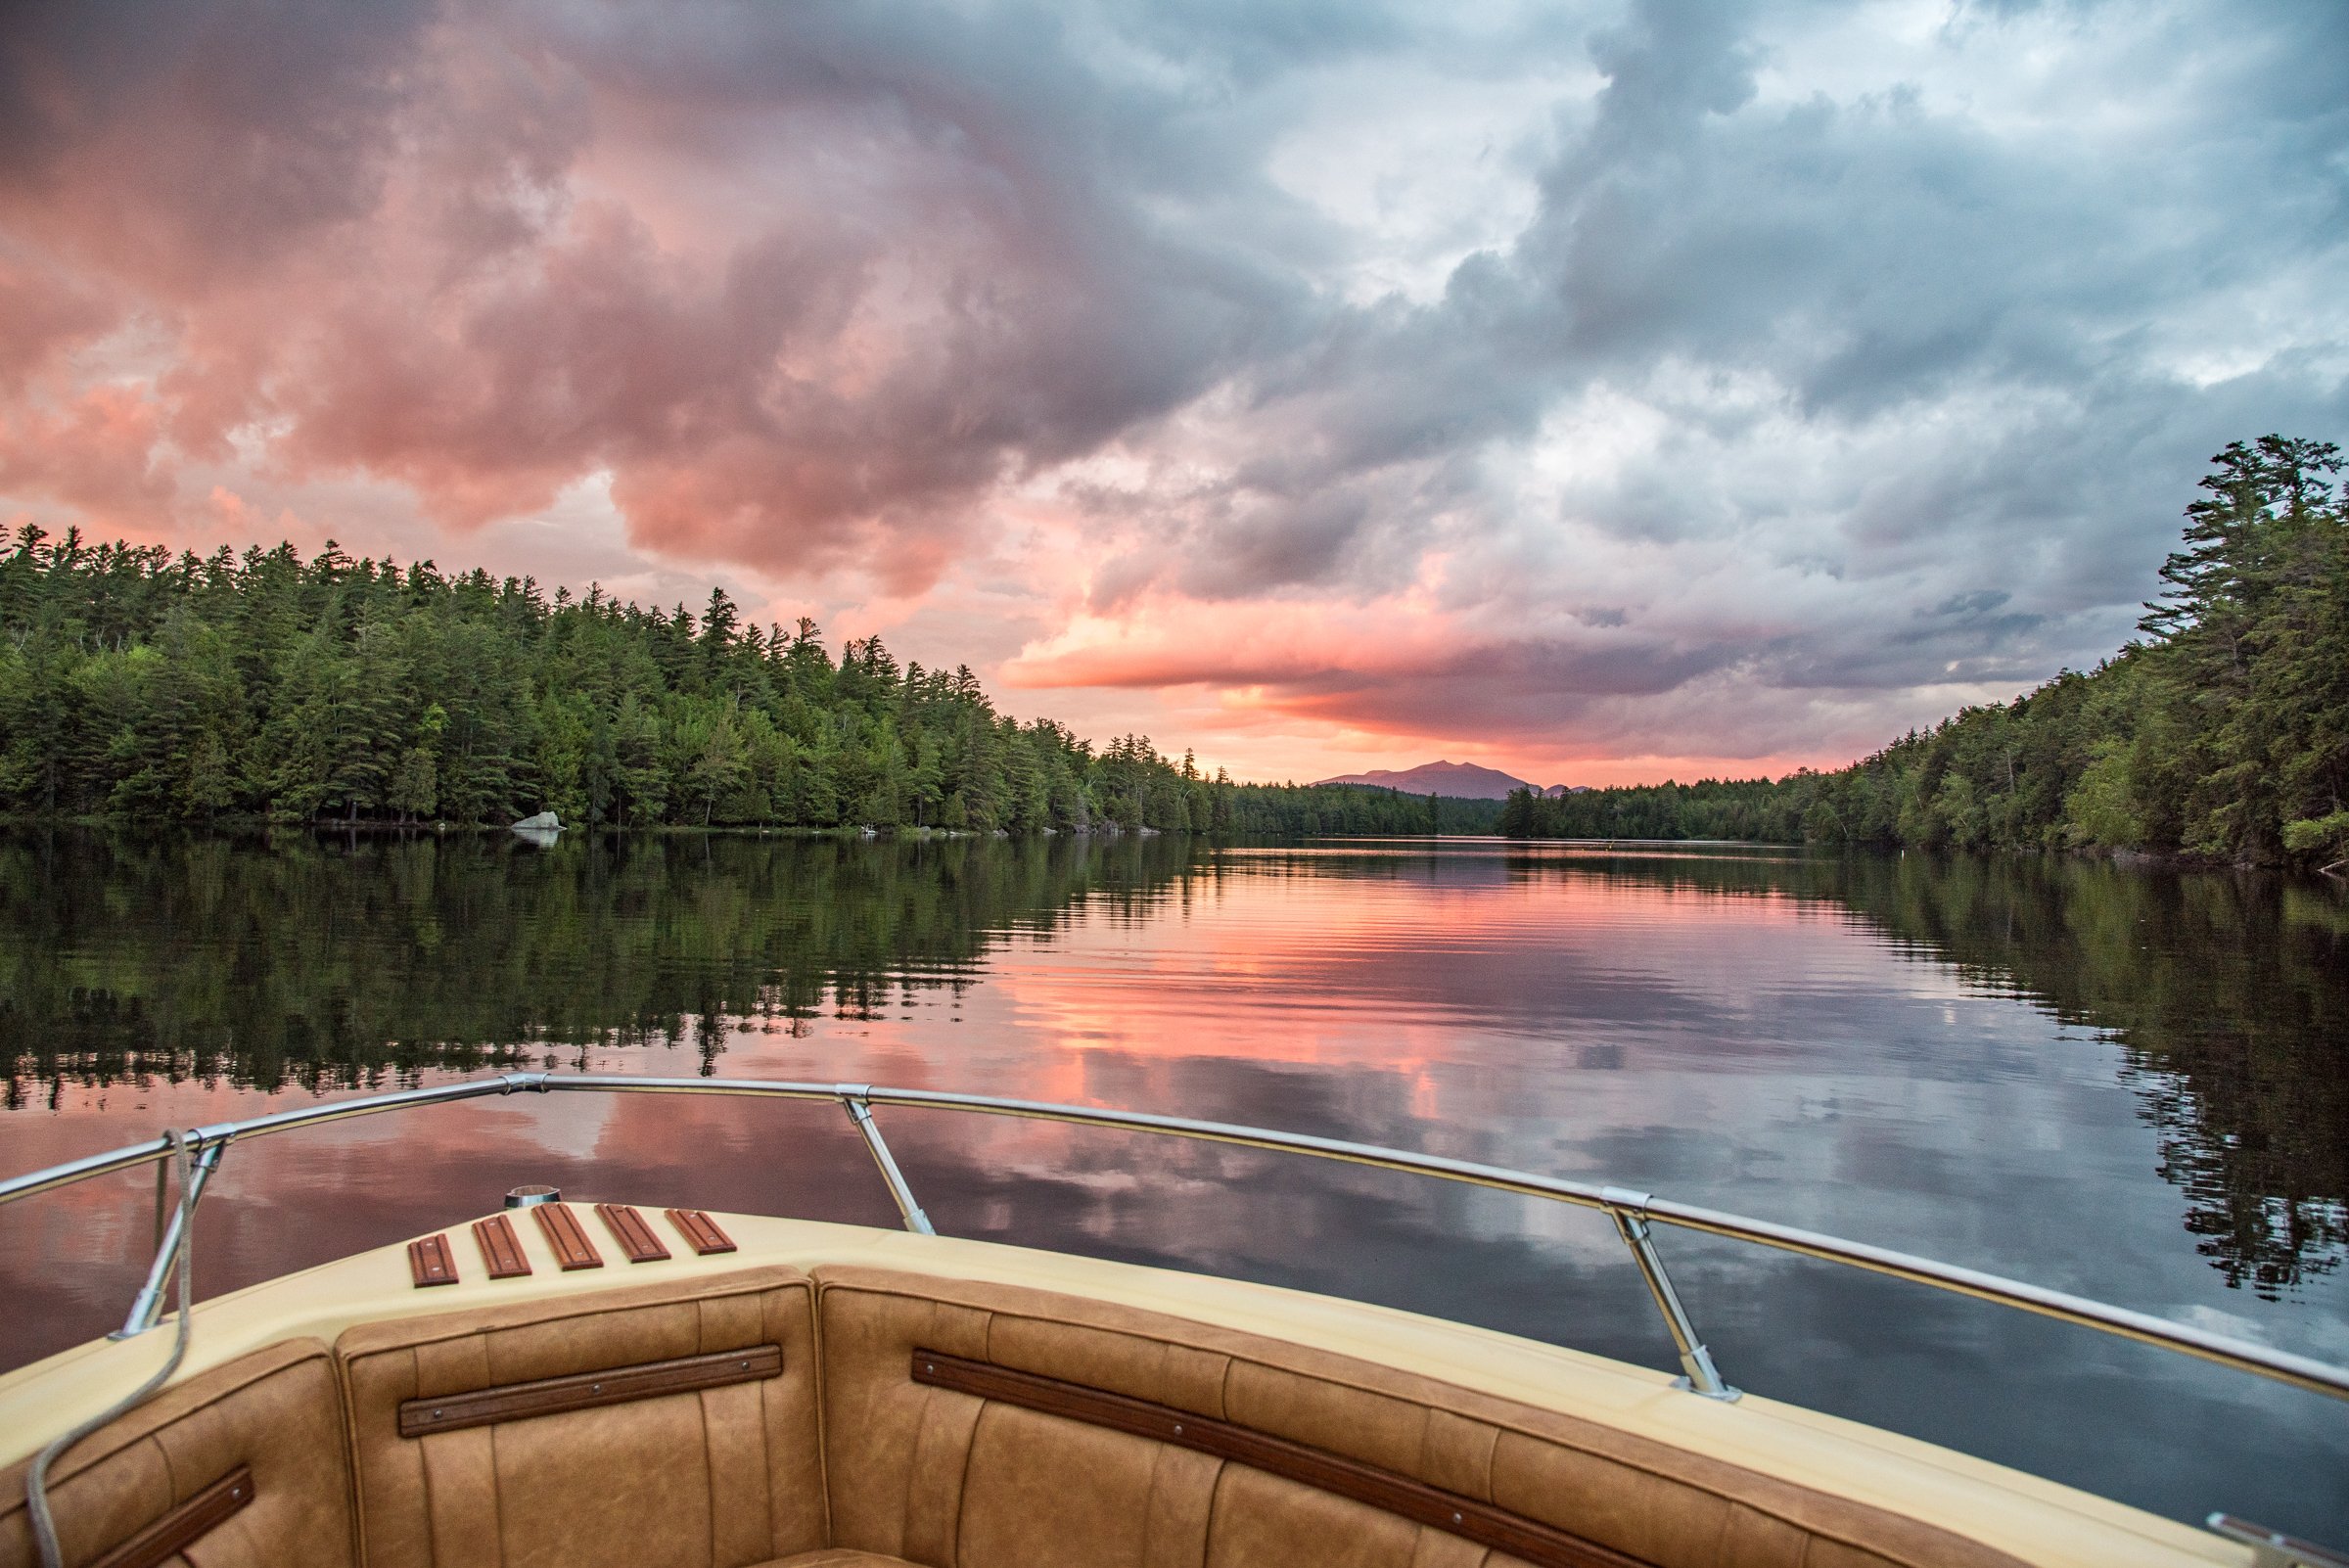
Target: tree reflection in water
(336, 963)
(2230, 992)
(325, 963)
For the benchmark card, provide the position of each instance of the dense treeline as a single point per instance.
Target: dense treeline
(1293, 811)
(2224, 735)
(136, 683)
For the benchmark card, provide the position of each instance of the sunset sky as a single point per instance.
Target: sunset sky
(1595, 392)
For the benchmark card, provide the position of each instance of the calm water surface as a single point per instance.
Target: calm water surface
(2127, 1083)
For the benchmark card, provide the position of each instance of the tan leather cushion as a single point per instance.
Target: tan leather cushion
(277, 1411)
(945, 1479)
(838, 1557)
(714, 1478)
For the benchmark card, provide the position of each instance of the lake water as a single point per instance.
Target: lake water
(2128, 1083)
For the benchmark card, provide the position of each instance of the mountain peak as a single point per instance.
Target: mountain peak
(1459, 780)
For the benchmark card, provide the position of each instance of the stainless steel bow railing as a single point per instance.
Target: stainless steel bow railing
(1635, 1214)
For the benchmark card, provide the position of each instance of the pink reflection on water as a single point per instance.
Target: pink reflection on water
(1486, 1002)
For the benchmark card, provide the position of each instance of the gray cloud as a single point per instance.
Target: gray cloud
(2001, 321)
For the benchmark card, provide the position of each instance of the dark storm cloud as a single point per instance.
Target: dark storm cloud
(936, 272)
(200, 132)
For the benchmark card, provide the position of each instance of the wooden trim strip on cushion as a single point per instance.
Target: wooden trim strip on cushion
(500, 1248)
(585, 1390)
(573, 1249)
(1451, 1512)
(701, 1230)
(183, 1526)
(635, 1236)
(431, 1263)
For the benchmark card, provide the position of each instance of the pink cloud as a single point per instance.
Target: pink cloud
(95, 454)
(1403, 678)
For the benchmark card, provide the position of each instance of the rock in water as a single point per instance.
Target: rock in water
(543, 822)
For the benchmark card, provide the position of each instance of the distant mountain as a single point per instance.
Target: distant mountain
(1462, 781)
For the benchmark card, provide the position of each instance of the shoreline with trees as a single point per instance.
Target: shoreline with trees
(260, 688)
(241, 690)
(2221, 737)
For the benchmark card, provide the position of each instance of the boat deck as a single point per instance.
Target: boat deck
(1552, 1443)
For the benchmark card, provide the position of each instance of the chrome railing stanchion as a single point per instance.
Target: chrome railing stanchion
(861, 1114)
(1628, 1211)
(147, 1304)
(163, 1200)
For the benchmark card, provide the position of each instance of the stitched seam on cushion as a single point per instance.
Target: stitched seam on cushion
(1720, 1537)
(1427, 1422)
(1215, 1501)
(1158, 1463)
(757, 1410)
(497, 1496)
(970, 1446)
(766, 1468)
(962, 1484)
(1892, 1552)
(771, 1302)
(353, 1492)
(709, 1465)
(424, 1467)
(700, 1342)
(913, 1468)
(970, 1440)
(816, 1291)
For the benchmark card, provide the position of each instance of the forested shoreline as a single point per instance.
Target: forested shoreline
(256, 687)
(2222, 735)
(260, 687)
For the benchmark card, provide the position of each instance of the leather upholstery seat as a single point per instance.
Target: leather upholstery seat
(835, 1454)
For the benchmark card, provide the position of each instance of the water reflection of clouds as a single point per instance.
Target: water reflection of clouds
(1470, 851)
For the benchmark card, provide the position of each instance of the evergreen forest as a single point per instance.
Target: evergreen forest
(2223, 734)
(262, 686)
